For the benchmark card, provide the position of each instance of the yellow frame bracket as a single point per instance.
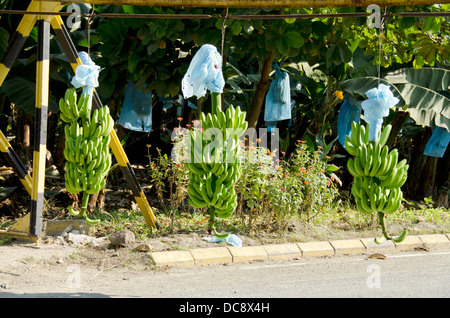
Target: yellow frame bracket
(35, 184)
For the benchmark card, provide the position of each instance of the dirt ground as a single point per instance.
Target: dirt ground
(54, 267)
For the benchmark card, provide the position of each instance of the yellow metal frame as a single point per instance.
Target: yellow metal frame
(257, 3)
(30, 226)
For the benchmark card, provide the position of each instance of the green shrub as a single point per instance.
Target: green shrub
(270, 191)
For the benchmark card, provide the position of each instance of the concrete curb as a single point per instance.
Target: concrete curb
(229, 255)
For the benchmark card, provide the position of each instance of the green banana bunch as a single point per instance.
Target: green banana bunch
(86, 149)
(70, 109)
(213, 171)
(378, 176)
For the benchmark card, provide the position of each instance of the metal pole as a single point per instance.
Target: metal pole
(40, 132)
(257, 3)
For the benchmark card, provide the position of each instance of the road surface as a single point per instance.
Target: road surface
(403, 274)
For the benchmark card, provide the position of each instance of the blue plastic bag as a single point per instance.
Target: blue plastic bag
(271, 125)
(204, 73)
(379, 102)
(350, 112)
(136, 111)
(278, 98)
(437, 145)
(231, 239)
(86, 74)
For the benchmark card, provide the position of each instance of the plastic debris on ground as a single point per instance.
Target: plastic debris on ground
(231, 239)
(86, 74)
(349, 112)
(278, 98)
(379, 102)
(136, 111)
(204, 73)
(438, 143)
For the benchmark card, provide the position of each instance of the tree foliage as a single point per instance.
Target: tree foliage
(320, 54)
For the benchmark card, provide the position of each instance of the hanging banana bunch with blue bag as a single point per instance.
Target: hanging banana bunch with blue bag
(378, 176)
(213, 148)
(87, 134)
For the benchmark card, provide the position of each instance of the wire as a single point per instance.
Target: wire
(238, 17)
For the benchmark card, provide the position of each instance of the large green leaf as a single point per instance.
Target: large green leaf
(426, 106)
(22, 92)
(360, 85)
(419, 90)
(436, 79)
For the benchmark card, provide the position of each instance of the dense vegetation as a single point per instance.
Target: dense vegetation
(324, 57)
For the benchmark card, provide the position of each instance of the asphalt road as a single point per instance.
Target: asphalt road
(409, 274)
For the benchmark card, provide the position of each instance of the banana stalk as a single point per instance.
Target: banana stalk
(385, 234)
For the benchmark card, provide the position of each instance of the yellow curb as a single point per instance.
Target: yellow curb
(222, 255)
(248, 253)
(342, 247)
(283, 251)
(410, 242)
(211, 255)
(434, 240)
(173, 258)
(314, 249)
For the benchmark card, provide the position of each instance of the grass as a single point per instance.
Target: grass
(343, 222)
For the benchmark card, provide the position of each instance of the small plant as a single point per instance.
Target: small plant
(295, 187)
(169, 176)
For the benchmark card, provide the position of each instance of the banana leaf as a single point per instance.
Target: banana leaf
(436, 79)
(426, 105)
(22, 92)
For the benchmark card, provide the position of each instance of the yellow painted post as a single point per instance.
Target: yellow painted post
(13, 159)
(40, 132)
(17, 41)
(15, 45)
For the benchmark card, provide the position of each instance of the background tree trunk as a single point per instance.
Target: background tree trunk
(422, 168)
(261, 91)
(397, 123)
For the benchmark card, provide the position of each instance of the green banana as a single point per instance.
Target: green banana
(390, 178)
(351, 168)
(355, 134)
(384, 162)
(349, 146)
(358, 167)
(384, 135)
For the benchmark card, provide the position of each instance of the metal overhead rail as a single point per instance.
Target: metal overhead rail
(256, 3)
(231, 16)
